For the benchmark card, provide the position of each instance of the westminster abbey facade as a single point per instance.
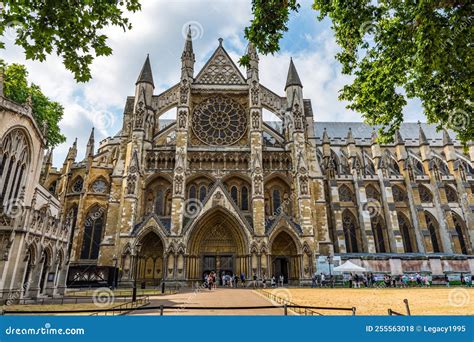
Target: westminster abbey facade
(221, 189)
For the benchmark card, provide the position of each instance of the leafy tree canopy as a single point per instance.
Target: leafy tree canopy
(47, 113)
(396, 49)
(70, 28)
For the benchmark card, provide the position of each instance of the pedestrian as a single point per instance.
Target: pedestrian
(273, 281)
(264, 281)
(255, 283)
(323, 279)
(282, 280)
(242, 279)
(313, 280)
(350, 280)
(446, 280)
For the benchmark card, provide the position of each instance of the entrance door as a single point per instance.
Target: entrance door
(209, 265)
(280, 267)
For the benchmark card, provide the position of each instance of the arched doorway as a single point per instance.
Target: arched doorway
(217, 243)
(285, 260)
(150, 259)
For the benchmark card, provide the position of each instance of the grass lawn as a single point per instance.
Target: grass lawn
(422, 301)
(54, 307)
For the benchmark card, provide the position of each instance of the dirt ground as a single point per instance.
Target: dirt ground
(422, 301)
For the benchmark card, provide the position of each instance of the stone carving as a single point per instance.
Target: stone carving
(182, 119)
(255, 120)
(184, 92)
(254, 92)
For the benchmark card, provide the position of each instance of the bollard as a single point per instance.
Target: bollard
(353, 311)
(285, 309)
(161, 310)
(163, 287)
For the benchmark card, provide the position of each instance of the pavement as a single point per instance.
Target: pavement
(220, 297)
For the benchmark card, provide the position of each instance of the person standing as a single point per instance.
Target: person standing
(323, 279)
(242, 279)
(255, 283)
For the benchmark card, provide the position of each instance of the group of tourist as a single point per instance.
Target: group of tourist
(211, 280)
(356, 280)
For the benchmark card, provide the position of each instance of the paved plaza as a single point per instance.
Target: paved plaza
(221, 297)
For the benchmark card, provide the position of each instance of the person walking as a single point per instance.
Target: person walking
(314, 280)
(242, 279)
(273, 281)
(264, 281)
(323, 279)
(255, 283)
(282, 280)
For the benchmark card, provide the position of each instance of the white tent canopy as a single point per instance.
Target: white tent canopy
(349, 267)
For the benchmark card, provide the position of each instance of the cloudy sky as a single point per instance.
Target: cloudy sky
(159, 30)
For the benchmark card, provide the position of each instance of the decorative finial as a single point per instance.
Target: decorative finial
(220, 41)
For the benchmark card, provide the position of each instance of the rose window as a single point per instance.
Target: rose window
(219, 121)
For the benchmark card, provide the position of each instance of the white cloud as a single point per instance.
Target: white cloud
(158, 30)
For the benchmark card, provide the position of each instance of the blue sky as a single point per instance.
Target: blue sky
(158, 30)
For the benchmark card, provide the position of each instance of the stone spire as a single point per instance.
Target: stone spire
(293, 79)
(146, 75)
(446, 138)
(373, 137)
(398, 138)
(90, 144)
(188, 58)
(350, 137)
(72, 153)
(325, 136)
(253, 61)
(422, 138)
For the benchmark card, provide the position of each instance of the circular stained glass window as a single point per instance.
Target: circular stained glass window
(219, 121)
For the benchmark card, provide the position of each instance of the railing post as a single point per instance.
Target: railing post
(353, 311)
(407, 307)
(390, 312)
(285, 309)
(161, 310)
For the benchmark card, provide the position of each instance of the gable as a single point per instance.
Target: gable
(220, 69)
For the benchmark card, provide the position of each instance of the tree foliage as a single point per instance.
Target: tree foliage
(47, 113)
(70, 28)
(396, 49)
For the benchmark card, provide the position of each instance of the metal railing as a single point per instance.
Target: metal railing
(395, 313)
(125, 307)
(304, 310)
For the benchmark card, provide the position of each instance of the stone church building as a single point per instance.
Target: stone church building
(222, 189)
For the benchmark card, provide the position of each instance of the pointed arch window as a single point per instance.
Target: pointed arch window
(425, 195)
(451, 194)
(349, 226)
(245, 198)
(405, 230)
(70, 224)
(276, 197)
(92, 237)
(460, 230)
(77, 185)
(234, 193)
(192, 192)
(202, 193)
(433, 229)
(399, 195)
(159, 203)
(379, 234)
(345, 194)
